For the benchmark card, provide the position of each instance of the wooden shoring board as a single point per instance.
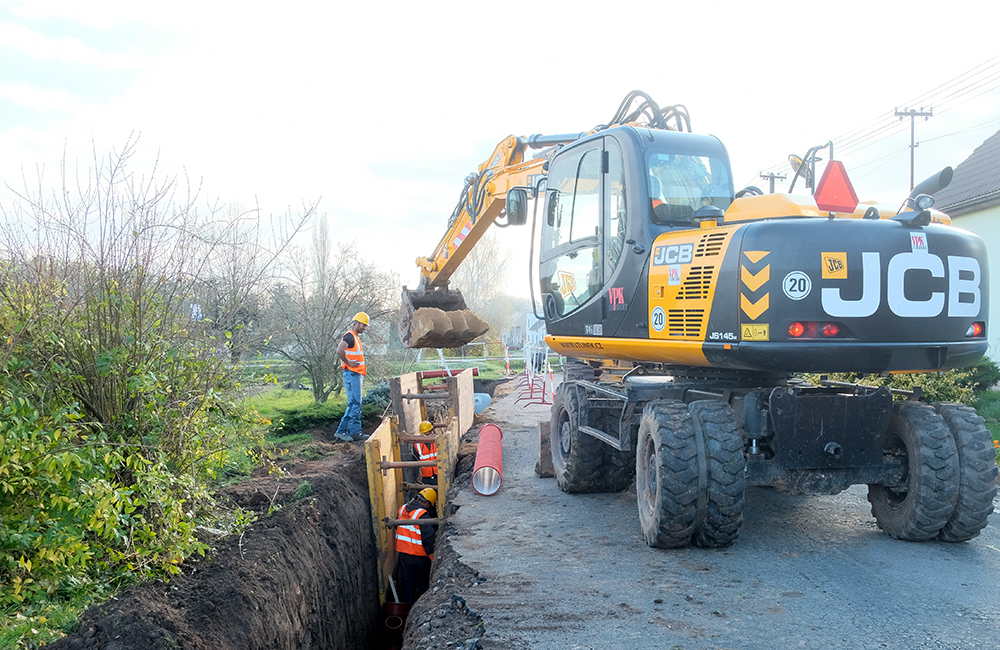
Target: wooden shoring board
(463, 400)
(384, 497)
(409, 412)
(447, 447)
(386, 492)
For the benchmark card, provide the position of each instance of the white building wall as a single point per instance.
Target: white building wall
(986, 224)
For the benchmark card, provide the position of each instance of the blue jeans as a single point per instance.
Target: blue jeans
(350, 424)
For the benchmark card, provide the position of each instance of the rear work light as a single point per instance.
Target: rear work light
(977, 330)
(814, 330)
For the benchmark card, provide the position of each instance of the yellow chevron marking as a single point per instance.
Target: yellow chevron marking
(756, 256)
(755, 281)
(754, 309)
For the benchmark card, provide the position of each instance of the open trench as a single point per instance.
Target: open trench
(303, 577)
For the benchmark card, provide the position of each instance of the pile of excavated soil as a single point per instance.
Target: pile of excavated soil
(303, 577)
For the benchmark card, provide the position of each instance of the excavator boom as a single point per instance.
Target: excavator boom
(434, 316)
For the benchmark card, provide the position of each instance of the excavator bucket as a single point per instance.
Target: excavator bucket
(437, 318)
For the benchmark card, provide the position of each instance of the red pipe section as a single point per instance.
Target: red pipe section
(488, 470)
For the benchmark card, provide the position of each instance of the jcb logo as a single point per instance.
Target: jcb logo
(834, 266)
(676, 254)
(963, 295)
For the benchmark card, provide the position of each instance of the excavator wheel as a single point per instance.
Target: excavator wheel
(978, 472)
(689, 477)
(617, 467)
(919, 509)
(437, 318)
(576, 457)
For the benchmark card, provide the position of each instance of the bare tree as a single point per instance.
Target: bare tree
(113, 259)
(315, 304)
(232, 295)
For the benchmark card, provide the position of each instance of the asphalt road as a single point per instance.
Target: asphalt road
(572, 571)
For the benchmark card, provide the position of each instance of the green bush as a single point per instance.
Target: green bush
(378, 396)
(936, 387)
(987, 404)
(982, 376)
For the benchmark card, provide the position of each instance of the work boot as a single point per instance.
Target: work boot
(343, 437)
(359, 437)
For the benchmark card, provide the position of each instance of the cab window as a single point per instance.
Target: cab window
(679, 184)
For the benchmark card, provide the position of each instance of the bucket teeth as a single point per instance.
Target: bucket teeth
(437, 318)
(435, 328)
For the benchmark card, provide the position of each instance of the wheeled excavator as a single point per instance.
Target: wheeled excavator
(688, 313)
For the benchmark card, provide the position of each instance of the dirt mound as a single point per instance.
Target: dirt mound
(303, 577)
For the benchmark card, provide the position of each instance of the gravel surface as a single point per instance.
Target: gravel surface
(572, 571)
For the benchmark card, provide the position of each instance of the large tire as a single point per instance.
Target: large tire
(576, 457)
(723, 440)
(574, 369)
(689, 474)
(618, 467)
(919, 509)
(977, 468)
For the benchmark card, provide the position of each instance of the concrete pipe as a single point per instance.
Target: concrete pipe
(488, 471)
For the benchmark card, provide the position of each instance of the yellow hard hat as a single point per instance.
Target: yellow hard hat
(430, 494)
(361, 317)
(425, 426)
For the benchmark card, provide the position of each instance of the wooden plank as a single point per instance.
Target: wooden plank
(409, 412)
(463, 400)
(376, 495)
(447, 445)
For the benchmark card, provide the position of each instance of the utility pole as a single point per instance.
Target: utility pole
(772, 177)
(912, 113)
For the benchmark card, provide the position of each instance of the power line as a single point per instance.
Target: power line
(913, 113)
(984, 78)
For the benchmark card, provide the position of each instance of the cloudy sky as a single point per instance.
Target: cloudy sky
(379, 110)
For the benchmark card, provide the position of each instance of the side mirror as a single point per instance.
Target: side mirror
(517, 206)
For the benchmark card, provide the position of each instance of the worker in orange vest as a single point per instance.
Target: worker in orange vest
(352, 358)
(427, 451)
(415, 545)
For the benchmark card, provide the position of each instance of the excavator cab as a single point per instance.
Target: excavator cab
(608, 197)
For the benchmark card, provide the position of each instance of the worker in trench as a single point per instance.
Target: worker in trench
(415, 545)
(427, 451)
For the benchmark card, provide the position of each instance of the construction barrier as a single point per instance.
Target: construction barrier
(384, 453)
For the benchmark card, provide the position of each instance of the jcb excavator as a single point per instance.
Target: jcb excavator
(686, 309)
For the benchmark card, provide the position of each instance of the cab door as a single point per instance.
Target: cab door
(583, 240)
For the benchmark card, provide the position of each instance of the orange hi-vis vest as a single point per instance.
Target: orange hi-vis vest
(355, 353)
(427, 452)
(408, 538)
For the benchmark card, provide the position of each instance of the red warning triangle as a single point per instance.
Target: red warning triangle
(834, 192)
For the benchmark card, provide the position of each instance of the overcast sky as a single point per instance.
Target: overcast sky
(379, 110)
